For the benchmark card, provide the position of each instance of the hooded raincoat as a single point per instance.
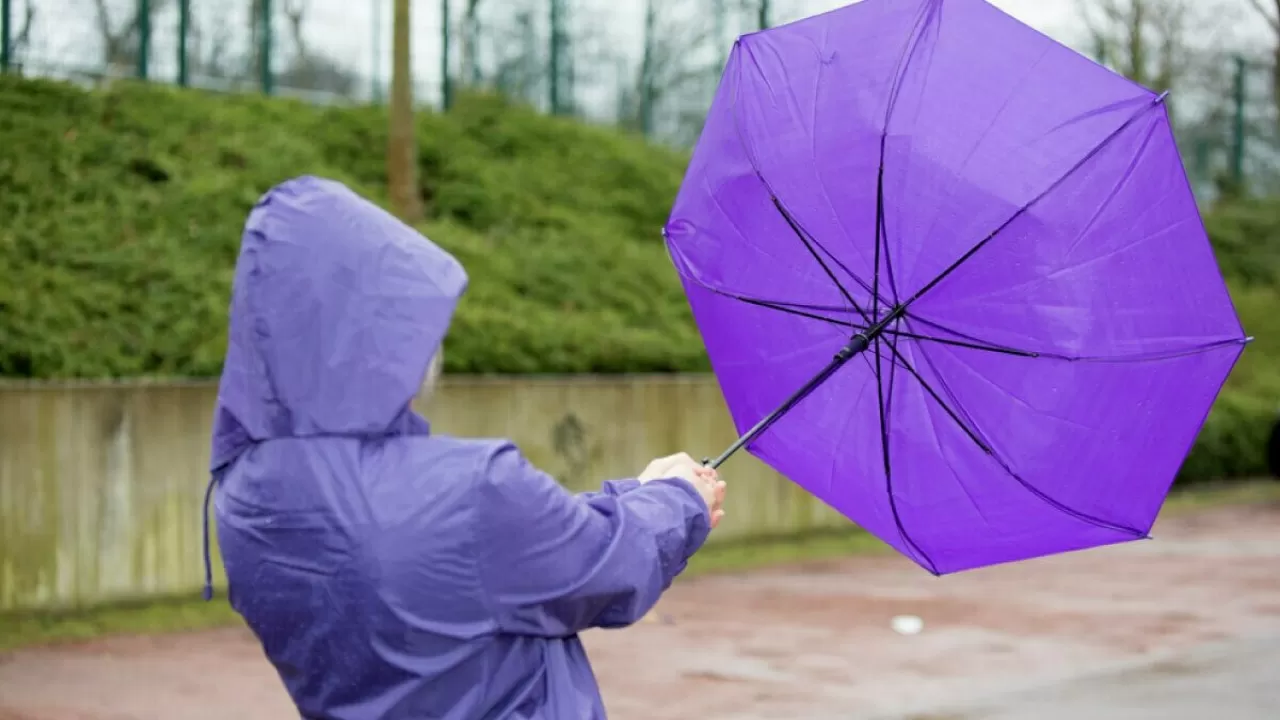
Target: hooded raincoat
(390, 572)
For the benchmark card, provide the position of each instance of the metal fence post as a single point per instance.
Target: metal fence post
(144, 37)
(646, 69)
(6, 34)
(1237, 149)
(555, 58)
(264, 49)
(446, 83)
(376, 74)
(184, 30)
(721, 34)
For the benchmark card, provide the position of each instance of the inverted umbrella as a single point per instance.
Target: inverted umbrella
(952, 280)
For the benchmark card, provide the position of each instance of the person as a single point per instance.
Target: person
(388, 571)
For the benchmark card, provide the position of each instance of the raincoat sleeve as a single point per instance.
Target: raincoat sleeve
(554, 564)
(611, 487)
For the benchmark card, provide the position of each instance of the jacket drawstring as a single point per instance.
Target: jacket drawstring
(204, 519)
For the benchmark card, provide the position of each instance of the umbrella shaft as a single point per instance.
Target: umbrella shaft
(859, 343)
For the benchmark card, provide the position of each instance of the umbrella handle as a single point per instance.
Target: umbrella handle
(857, 344)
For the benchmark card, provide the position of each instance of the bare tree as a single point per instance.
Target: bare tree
(520, 68)
(595, 60)
(122, 38)
(1142, 39)
(763, 16)
(1175, 45)
(402, 150)
(676, 64)
(1164, 45)
(308, 69)
(22, 39)
(1270, 12)
(471, 73)
(295, 13)
(662, 90)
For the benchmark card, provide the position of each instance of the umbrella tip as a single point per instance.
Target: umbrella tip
(1248, 339)
(1162, 96)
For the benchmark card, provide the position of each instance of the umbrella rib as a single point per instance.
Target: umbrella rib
(888, 465)
(1026, 485)
(972, 342)
(786, 308)
(882, 233)
(1027, 205)
(791, 222)
(798, 313)
(875, 276)
(973, 435)
(805, 235)
(975, 343)
(793, 309)
(928, 13)
(999, 349)
(1150, 356)
(949, 330)
(790, 308)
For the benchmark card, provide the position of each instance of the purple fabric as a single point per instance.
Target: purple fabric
(390, 572)
(1036, 398)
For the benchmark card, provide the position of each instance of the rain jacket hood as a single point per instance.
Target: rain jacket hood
(336, 310)
(389, 572)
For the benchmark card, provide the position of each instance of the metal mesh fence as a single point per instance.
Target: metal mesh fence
(1228, 126)
(649, 65)
(324, 50)
(340, 50)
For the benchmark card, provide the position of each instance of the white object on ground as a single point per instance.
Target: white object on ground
(907, 624)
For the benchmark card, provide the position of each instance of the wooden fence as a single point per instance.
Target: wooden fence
(101, 484)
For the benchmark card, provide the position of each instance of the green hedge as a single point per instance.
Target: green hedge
(1246, 235)
(1234, 440)
(120, 215)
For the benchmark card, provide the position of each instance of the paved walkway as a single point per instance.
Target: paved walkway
(1169, 629)
(1237, 680)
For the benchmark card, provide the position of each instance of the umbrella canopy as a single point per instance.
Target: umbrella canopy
(953, 280)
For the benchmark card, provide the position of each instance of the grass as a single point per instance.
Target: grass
(24, 629)
(781, 550)
(123, 209)
(185, 614)
(191, 613)
(1208, 495)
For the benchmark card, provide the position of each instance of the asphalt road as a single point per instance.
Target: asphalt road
(1186, 627)
(1239, 680)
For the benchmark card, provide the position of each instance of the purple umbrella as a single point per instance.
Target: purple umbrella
(952, 279)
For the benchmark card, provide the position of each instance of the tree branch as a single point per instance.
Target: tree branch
(1272, 20)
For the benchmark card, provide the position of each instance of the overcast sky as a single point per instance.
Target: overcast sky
(358, 33)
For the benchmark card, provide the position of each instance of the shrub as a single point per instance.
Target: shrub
(1233, 443)
(1246, 237)
(122, 211)
(120, 216)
